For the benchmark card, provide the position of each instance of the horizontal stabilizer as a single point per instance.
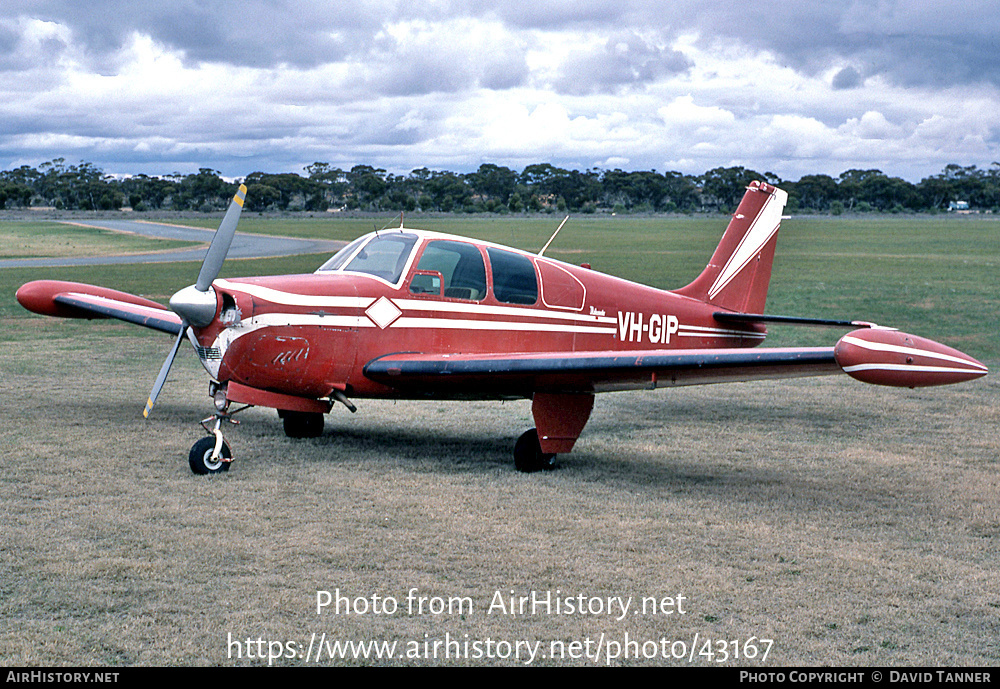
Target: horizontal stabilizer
(729, 317)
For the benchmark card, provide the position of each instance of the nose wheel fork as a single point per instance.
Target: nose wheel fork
(212, 455)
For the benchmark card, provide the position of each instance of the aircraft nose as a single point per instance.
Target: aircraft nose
(197, 308)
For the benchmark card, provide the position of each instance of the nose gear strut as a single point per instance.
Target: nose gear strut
(212, 455)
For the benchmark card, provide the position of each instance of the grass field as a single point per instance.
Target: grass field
(62, 240)
(846, 524)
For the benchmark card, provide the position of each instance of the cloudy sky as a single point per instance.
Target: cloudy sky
(787, 87)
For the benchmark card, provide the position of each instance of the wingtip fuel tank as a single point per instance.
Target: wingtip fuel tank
(889, 357)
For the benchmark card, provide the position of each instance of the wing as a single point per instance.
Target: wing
(78, 300)
(521, 375)
(881, 356)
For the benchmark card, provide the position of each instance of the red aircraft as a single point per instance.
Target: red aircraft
(420, 315)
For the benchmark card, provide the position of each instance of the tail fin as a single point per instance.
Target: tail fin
(739, 273)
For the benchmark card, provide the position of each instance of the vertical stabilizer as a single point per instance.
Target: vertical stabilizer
(739, 273)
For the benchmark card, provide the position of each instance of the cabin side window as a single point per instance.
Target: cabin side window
(450, 269)
(514, 280)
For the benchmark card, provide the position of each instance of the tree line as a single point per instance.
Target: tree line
(492, 188)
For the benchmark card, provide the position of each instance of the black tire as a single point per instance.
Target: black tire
(301, 424)
(200, 457)
(528, 455)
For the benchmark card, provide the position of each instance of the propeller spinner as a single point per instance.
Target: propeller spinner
(196, 304)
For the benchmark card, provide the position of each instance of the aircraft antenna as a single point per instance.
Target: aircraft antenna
(386, 226)
(553, 236)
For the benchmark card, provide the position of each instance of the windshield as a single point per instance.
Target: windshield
(383, 255)
(337, 261)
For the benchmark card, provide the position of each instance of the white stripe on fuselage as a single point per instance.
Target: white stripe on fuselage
(467, 324)
(276, 296)
(486, 310)
(308, 300)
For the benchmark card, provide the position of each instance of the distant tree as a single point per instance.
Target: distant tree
(449, 190)
(937, 191)
(292, 189)
(852, 185)
(648, 189)
(547, 181)
(681, 192)
(331, 187)
(878, 189)
(491, 188)
(15, 194)
(150, 192)
(493, 182)
(969, 183)
(367, 184)
(260, 197)
(815, 191)
(205, 190)
(723, 187)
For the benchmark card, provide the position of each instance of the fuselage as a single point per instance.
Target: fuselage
(416, 291)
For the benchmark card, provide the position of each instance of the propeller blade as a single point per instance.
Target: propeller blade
(164, 370)
(220, 242)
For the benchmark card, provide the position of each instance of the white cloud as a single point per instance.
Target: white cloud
(683, 112)
(872, 126)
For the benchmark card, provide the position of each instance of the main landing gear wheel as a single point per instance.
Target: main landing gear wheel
(300, 424)
(528, 455)
(201, 457)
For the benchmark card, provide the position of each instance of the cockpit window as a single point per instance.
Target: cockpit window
(384, 256)
(514, 280)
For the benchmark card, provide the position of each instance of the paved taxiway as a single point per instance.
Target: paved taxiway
(243, 246)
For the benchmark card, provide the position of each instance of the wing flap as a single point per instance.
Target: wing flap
(498, 375)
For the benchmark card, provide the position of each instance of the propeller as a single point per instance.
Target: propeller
(161, 378)
(196, 304)
(220, 242)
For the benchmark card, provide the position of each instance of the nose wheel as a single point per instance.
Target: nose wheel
(205, 460)
(212, 455)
